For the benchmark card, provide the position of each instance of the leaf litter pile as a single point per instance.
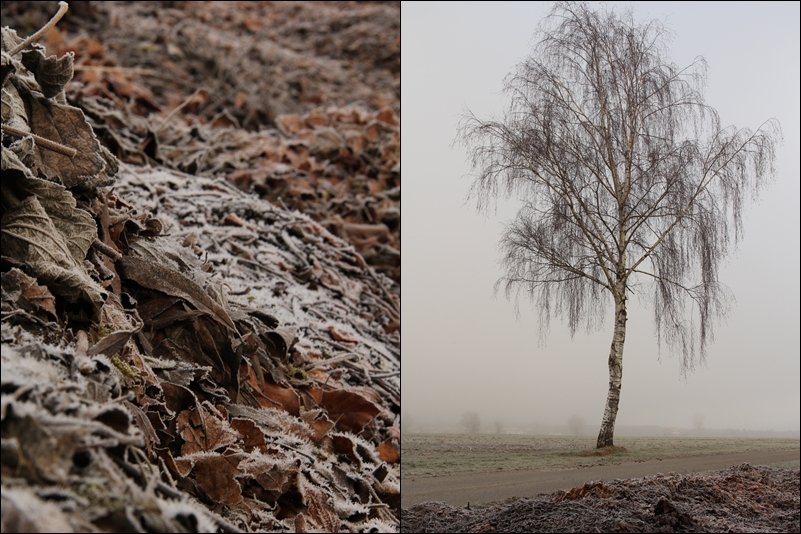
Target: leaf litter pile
(200, 288)
(743, 498)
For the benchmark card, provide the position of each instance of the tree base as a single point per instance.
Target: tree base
(605, 451)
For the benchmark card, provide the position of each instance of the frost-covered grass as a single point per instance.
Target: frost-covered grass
(427, 455)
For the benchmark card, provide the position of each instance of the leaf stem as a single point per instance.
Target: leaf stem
(62, 8)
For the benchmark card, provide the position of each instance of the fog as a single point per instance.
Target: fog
(465, 351)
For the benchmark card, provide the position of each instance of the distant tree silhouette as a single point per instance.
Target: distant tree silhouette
(407, 422)
(471, 422)
(698, 423)
(576, 425)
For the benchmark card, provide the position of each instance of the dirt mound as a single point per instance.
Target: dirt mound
(743, 498)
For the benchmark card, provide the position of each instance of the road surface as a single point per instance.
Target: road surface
(458, 490)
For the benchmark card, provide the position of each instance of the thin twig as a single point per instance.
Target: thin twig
(62, 8)
(41, 141)
(106, 249)
(393, 303)
(124, 70)
(176, 110)
(385, 375)
(335, 359)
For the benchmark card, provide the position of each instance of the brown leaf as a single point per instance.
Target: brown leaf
(178, 398)
(217, 434)
(318, 421)
(29, 295)
(320, 511)
(289, 124)
(181, 466)
(112, 343)
(344, 445)
(327, 143)
(153, 275)
(341, 336)
(233, 219)
(349, 410)
(150, 308)
(66, 125)
(217, 476)
(51, 73)
(252, 435)
(388, 452)
(29, 236)
(286, 398)
(300, 524)
(274, 475)
(386, 116)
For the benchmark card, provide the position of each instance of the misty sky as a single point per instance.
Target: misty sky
(464, 350)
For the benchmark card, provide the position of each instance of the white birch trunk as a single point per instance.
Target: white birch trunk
(606, 435)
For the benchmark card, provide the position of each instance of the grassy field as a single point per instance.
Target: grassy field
(427, 455)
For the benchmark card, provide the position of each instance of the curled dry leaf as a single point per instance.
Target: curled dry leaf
(29, 236)
(51, 73)
(77, 226)
(112, 343)
(29, 295)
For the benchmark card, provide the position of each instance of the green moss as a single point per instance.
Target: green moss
(105, 329)
(148, 47)
(124, 368)
(97, 495)
(296, 372)
(251, 299)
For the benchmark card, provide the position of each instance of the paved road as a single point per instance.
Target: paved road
(457, 490)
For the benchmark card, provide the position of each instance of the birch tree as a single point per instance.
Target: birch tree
(629, 184)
